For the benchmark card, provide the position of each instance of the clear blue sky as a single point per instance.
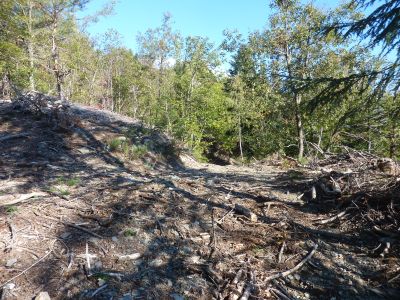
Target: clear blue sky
(191, 17)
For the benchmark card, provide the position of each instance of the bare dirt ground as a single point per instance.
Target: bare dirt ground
(81, 222)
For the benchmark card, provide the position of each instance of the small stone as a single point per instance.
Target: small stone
(133, 256)
(98, 264)
(101, 282)
(297, 276)
(156, 263)
(114, 239)
(307, 295)
(177, 297)
(43, 296)
(84, 150)
(9, 286)
(65, 235)
(350, 282)
(11, 262)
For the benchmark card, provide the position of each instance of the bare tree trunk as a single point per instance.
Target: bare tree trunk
(240, 138)
(299, 124)
(392, 145)
(30, 47)
(55, 55)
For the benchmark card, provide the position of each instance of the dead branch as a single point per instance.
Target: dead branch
(385, 250)
(74, 226)
(12, 237)
(249, 288)
(281, 252)
(297, 267)
(277, 293)
(13, 136)
(30, 267)
(18, 198)
(237, 286)
(224, 216)
(335, 217)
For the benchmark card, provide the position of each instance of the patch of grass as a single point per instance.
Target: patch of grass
(64, 192)
(115, 144)
(60, 179)
(60, 191)
(72, 181)
(304, 161)
(101, 276)
(11, 209)
(258, 250)
(133, 151)
(52, 189)
(138, 151)
(68, 181)
(294, 174)
(129, 232)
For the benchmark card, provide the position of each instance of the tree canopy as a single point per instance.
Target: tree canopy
(310, 82)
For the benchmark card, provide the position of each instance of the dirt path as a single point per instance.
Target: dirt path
(101, 227)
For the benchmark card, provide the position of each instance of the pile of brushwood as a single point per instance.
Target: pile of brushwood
(365, 189)
(57, 111)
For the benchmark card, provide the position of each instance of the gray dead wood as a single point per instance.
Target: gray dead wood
(13, 136)
(74, 226)
(249, 287)
(6, 200)
(297, 267)
(281, 252)
(235, 289)
(335, 217)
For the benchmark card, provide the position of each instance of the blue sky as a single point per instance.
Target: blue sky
(191, 17)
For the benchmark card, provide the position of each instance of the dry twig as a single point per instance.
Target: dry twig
(30, 267)
(297, 267)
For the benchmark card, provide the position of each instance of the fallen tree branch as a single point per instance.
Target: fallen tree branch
(335, 217)
(13, 136)
(297, 267)
(74, 226)
(19, 198)
(249, 288)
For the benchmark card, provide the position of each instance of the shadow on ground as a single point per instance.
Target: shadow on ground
(147, 229)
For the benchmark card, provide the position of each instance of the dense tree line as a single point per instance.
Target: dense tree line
(309, 83)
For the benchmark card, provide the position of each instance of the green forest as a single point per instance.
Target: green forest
(311, 81)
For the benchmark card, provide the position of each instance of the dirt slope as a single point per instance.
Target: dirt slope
(82, 222)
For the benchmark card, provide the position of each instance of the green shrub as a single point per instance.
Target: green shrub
(72, 181)
(129, 232)
(115, 144)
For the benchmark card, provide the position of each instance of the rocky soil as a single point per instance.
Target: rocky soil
(84, 217)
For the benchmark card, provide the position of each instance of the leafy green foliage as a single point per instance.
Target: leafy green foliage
(290, 87)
